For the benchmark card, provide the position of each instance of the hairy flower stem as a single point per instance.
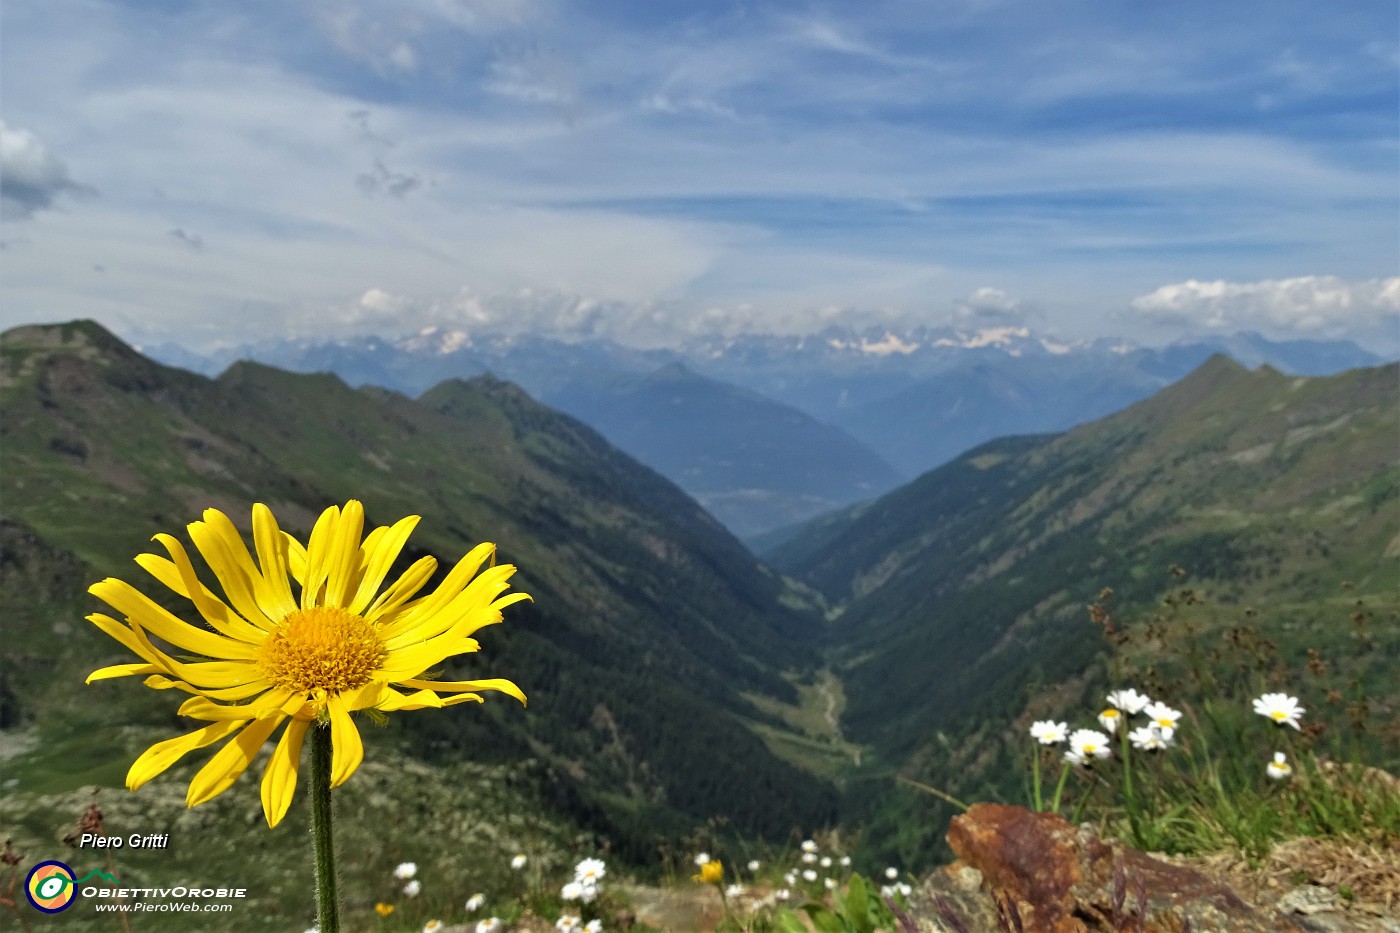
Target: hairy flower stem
(1129, 799)
(327, 916)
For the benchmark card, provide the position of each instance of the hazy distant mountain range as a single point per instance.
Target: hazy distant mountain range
(768, 431)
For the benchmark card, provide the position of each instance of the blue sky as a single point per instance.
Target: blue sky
(219, 172)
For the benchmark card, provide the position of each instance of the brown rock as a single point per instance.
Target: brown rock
(1065, 879)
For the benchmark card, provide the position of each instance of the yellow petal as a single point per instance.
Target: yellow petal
(159, 757)
(178, 574)
(498, 684)
(385, 550)
(386, 605)
(296, 558)
(462, 698)
(276, 592)
(122, 670)
(344, 557)
(347, 749)
(229, 763)
(410, 662)
(128, 639)
(200, 707)
(451, 586)
(392, 701)
(138, 607)
(279, 781)
(317, 551)
(241, 692)
(226, 554)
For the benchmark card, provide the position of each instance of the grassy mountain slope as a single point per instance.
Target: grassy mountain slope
(965, 591)
(649, 625)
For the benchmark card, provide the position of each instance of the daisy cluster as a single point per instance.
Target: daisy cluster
(1159, 729)
(1085, 745)
(587, 883)
(895, 886)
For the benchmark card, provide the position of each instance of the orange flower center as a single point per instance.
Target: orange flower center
(321, 650)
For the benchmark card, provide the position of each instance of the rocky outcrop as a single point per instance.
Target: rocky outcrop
(1024, 872)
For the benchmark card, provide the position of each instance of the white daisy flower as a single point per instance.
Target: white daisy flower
(406, 870)
(809, 846)
(702, 859)
(593, 926)
(892, 873)
(1281, 708)
(489, 925)
(845, 861)
(809, 858)
(1087, 743)
(1148, 737)
(518, 862)
(782, 894)
(887, 891)
(809, 875)
(573, 891)
(826, 861)
(412, 888)
(590, 871)
(734, 890)
(567, 923)
(1048, 732)
(754, 865)
(474, 902)
(830, 883)
(1109, 719)
(1279, 768)
(790, 878)
(1163, 717)
(432, 926)
(904, 889)
(1129, 701)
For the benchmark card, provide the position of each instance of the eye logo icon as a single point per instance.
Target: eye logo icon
(50, 887)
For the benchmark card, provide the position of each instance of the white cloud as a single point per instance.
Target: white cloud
(31, 177)
(1312, 304)
(989, 306)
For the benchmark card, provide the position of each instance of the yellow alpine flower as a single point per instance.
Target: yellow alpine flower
(268, 657)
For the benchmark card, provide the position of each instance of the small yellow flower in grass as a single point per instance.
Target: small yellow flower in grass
(1281, 708)
(712, 872)
(383, 909)
(1279, 768)
(266, 656)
